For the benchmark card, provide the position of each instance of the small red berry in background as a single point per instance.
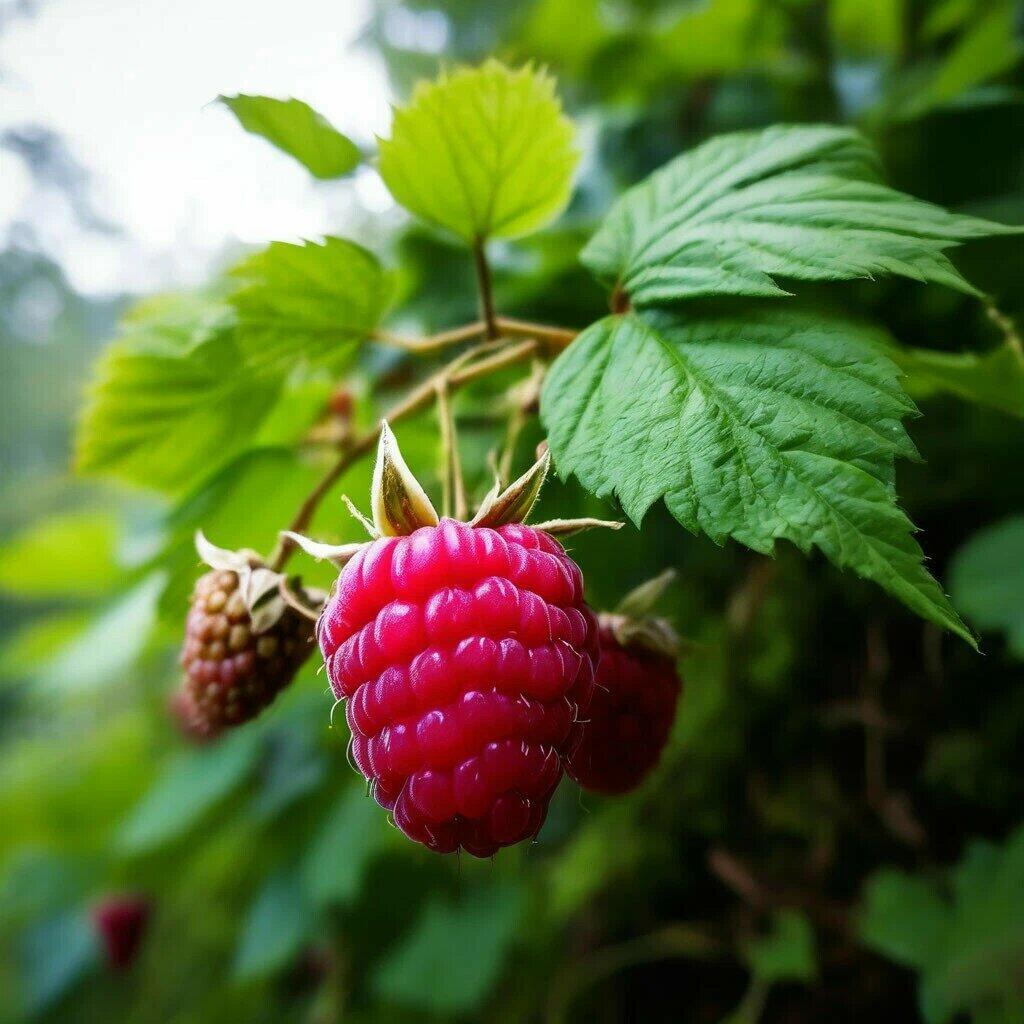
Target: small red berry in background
(121, 923)
(636, 689)
(341, 403)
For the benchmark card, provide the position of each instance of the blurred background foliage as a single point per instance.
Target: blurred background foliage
(835, 831)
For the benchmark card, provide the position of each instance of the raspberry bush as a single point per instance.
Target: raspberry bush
(706, 306)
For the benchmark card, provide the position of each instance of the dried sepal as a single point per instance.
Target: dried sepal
(399, 503)
(515, 503)
(632, 623)
(652, 633)
(257, 584)
(307, 601)
(339, 554)
(568, 527)
(224, 558)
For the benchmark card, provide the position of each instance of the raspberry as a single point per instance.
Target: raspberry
(232, 673)
(182, 709)
(467, 656)
(630, 717)
(121, 923)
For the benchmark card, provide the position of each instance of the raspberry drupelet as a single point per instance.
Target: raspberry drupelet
(466, 656)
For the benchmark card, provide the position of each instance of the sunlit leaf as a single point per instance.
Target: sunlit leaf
(484, 152)
(297, 129)
(772, 424)
(164, 414)
(189, 785)
(65, 555)
(313, 301)
(986, 578)
(802, 202)
(454, 952)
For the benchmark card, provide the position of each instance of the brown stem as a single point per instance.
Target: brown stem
(433, 341)
(483, 283)
(455, 486)
(456, 373)
(557, 337)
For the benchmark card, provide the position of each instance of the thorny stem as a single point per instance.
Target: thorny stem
(483, 284)
(458, 372)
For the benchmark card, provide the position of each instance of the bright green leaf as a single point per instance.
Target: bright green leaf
(313, 301)
(297, 129)
(65, 555)
(280, 921)
(170, 405)
(772, 424)
(986, 578)
(340, 851)
(452, 956)
(798, 202)
(103, 652)
(484, 152)
(994, 379)
(990, 46)
(189, 785)
(31, 646)
(786, 953)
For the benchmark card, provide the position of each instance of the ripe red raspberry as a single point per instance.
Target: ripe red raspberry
(467, 656)
(231, 673)
(121, 923)
(630, 717)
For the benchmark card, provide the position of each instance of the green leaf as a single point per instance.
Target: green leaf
(56, 954)
(994, 379)
(189, 785)
(65, 555)
(986, 578)
(904, 918)
(798, 202)
(786, 953)
(297, 129)
(989, 47)
(484, 152)
(453, 955)
(312, 301)
(279, 923)
(102, 653)
(967, 945)
(775, 424)
(172, 401)
(347, 839)
(26, 649)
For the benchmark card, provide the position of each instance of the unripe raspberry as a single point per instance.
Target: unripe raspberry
(183, 711)
(121, 923)
(341, 404)
(630, 717)
(231, 672)
(466, 655)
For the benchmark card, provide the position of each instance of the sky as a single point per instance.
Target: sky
(128, 85)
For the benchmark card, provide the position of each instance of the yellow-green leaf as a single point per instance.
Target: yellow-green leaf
(482, 152)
